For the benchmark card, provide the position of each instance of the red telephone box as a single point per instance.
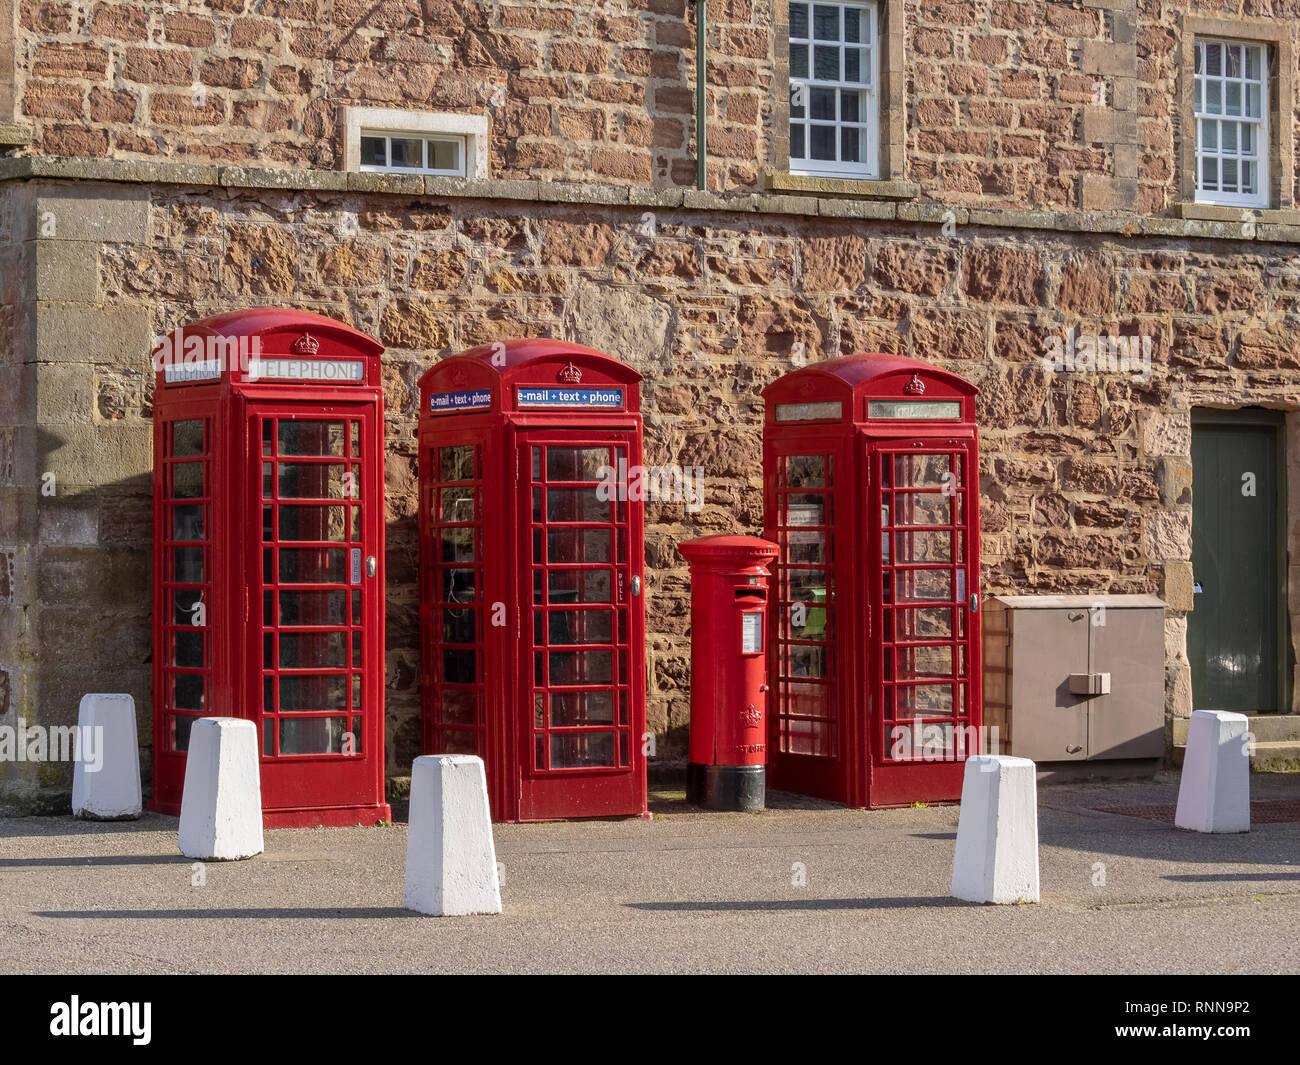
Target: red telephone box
(531, 549)
(269, 557)
(871, 491)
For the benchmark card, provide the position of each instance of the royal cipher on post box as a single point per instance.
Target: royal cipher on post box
(871, 491)
(531, 554)
(268, 557)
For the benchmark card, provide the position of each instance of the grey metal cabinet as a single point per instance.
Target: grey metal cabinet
(1075, 677)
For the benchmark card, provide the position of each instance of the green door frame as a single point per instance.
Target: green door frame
(1275, 420)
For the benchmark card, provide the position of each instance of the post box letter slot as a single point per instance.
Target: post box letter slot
(1089, 683)
(757, 593)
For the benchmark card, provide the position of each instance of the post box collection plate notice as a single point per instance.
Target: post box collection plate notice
(603, 398)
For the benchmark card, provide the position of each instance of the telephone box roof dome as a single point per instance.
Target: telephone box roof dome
(507, 356)
(859, 369)
(266, 321)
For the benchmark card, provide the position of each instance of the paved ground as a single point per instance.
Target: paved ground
(687, 892)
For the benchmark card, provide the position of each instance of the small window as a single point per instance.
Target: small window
(1231, 114)
(834, 63)
(403, 153)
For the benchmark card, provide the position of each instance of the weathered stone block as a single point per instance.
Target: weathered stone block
(91, 455)
(1105, 125)
(1176, 588)
(1175, 477)
(63, 394)
(77, 332)
(1100, 57)
(117, 214)
(67, 270)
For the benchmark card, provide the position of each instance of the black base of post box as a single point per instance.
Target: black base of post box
(726, 787)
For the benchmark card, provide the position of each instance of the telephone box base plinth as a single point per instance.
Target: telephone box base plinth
(726, 787)
(339, 817)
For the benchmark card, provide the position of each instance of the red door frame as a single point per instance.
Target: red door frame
(303, 788)
(827, 777)
(198, 402)
(552, 794)
(893, 783)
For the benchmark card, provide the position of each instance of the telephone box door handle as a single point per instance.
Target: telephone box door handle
(372, 567)
(974, 602)
(636, 585)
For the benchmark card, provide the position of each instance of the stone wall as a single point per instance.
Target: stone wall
(1070, 106)
(75, 500)
(1084, 478)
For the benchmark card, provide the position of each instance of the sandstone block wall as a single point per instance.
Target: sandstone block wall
(1085, 479)
(1064, 105)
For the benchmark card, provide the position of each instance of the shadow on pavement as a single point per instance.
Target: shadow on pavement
(345, 912)
(1210, 878)
(804, 904)
(109, 859)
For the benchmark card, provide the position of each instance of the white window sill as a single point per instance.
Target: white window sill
(862, 188)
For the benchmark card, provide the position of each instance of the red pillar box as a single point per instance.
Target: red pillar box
(268, 566)
(871, 491)
(728, 671)
(531, 554)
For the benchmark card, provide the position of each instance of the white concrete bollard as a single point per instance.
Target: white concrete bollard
(451, 864)
(106, 774)
(996, 859)
(1214, 790)
(221, 805)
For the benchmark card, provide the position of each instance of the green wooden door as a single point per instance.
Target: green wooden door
(1235, 634)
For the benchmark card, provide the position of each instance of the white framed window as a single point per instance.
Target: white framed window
(1231, 115)
(834, 90)
(389, 140)
(388, 152)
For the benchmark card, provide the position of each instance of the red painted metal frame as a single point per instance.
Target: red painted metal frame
(505, 432)
(302, 790)
(859, 773)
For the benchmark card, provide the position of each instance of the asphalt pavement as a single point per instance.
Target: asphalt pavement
(802, 887)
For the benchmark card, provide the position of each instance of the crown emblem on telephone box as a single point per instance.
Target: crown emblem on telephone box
(914, 387)
(305, 345)
(570, 375)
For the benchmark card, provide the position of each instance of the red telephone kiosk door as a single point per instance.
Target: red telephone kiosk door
(924, 709)
(313, 573)
(576, 709)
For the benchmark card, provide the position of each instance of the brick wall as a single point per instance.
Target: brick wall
(1069, 105)
(1084, 478)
